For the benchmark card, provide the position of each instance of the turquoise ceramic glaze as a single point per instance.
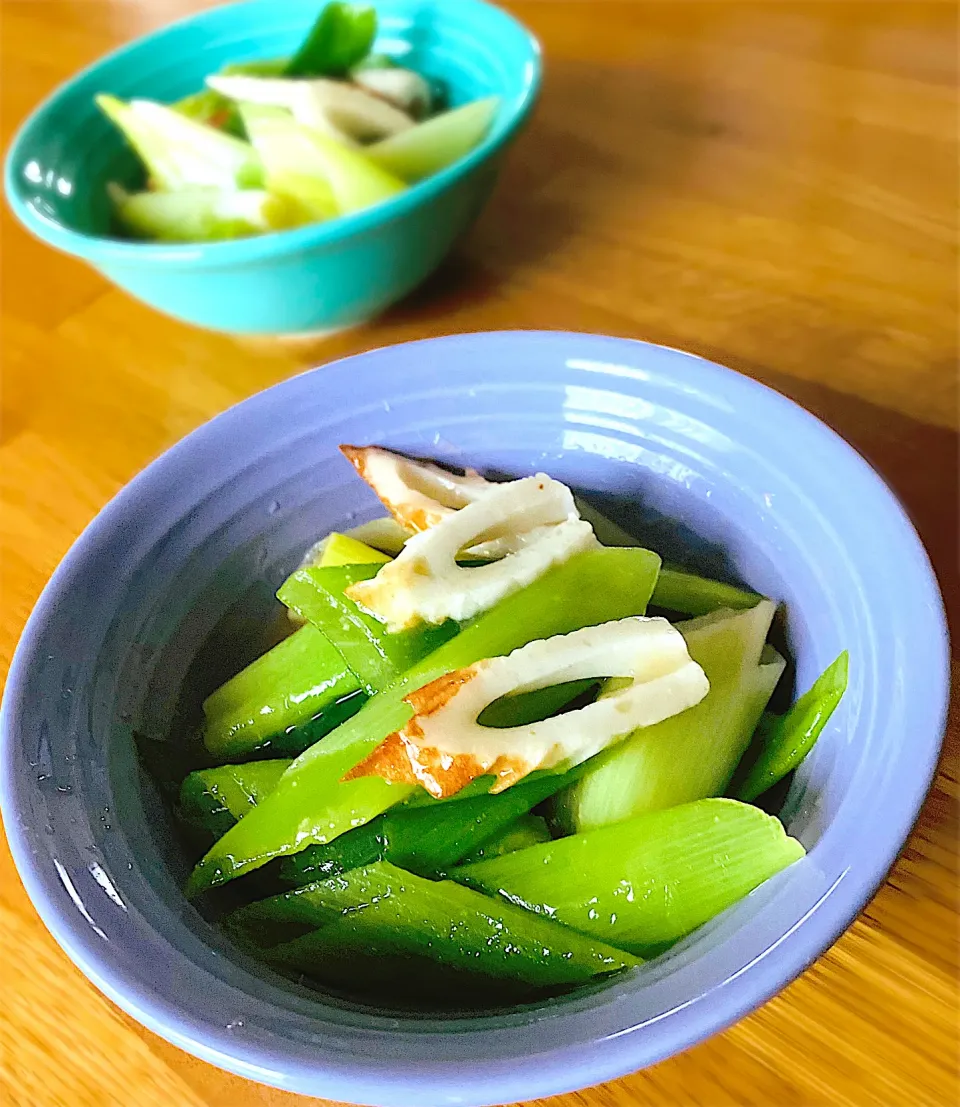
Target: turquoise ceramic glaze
(322, 276)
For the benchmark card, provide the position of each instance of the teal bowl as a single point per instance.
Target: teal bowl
(325, 276)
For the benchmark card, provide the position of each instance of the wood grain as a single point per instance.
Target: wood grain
(773, 185)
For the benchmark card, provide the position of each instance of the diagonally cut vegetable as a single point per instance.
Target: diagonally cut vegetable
(333, 550)
(341, 36)
(215, 799)
(426, 838)
(425, 584)
(648, 881)
(209, 107)
(179, 152)
(436, 143)
(694, 754)
(287, 685)
(528, 830)
(382, 970)
(340, 549)
(687, 594)
(367, 648)
(329, 108)
(440, 920)
(295, 157)
(786, 740)
(204, 214)
(289, 159)
(311, 805)
(677, 590)
(356, 183)
(444, 746)
(384, 534)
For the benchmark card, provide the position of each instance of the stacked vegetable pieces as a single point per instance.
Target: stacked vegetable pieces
(472, 896)
(275, 144)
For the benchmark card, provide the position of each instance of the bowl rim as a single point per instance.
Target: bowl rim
(797, 948)
(105, 249)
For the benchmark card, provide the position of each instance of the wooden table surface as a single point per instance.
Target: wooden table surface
(772, 185)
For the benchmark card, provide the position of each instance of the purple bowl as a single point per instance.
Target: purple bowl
(714, 469)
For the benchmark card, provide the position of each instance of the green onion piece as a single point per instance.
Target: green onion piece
(302, 163)
(439, 920)
(340, 38)
(215, 799)
(428, 837)
(204, 214)
(687, 594)
(528, 830)
(787, 739)
(436, 143)
(287, 686)
(181, 153)
(648, 881)
(376, 657)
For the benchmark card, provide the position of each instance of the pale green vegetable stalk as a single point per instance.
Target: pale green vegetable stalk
(204, 214)
(648, 881)
(289, 159)
(694, 754)
(431, 146)
(307, 165)
(179, 152)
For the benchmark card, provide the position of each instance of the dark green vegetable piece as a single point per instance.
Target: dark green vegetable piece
(288, 685)
(339, 39)
(687, 594)
(428, 838)
(295, 739)
(528, 830)
(215, 799)
(785, 740)
(379, 969)
(376, 657)
(439, 920)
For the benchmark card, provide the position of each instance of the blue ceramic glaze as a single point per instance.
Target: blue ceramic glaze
(713, 468)
(323, 276)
